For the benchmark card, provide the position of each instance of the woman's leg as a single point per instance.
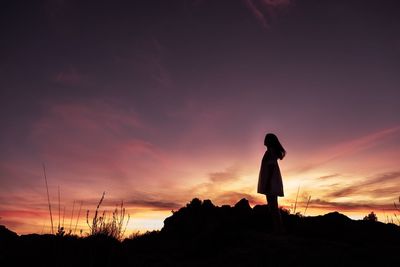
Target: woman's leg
(275, 213)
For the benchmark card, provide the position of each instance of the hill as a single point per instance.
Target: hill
(202, 234)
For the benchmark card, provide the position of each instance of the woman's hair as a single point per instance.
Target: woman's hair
(271, 141)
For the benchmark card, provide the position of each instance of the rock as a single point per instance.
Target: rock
(207, 204)
(6, 234)
(7, 237)
(243, 205)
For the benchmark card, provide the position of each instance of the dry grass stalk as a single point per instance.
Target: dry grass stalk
(59, 209)
(48, 199)
(111, 227)
(63, 219)
(77, 219)
(295, 204)
(72, 216)
(308, 202)
(398, 209)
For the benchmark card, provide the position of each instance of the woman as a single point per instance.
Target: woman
(270, 179)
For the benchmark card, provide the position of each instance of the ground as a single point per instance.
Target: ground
(202, 234)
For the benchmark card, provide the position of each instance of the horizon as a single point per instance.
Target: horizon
(71, 224)
(157, 103)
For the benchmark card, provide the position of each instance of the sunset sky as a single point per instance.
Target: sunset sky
(156, 102)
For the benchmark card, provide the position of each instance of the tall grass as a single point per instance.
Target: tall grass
(294, 207)
(48, 198)
(72, 216)
(77, 219)
(114, 226)
(308, 202)
(295, 203)
(397, 208)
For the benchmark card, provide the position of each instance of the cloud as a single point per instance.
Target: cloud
(266, 11)
(93, 145)
(347, 148)
(362, 143)
(345, 206)
(371, 186)
(257, 13)
(11, 171)
(22, 213)
(153, 204)
(93, 115)
(229, 174)
(91, 134)
(328, 176)
(23, 220)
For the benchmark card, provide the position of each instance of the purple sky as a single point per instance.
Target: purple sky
(157, 102)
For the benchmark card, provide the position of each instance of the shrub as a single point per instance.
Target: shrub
(371, 217)
(113, 227)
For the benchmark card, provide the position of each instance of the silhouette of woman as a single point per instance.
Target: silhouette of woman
(270, 179)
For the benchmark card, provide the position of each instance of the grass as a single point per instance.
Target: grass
(292, 209)
(101, 225)
(48, 198)
(113, 226)
(395, 218)
(397, 207)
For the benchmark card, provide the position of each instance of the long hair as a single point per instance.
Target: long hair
(272, 142)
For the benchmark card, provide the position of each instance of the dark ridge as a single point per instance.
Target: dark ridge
(202, 234)
(199, 218)
(6, 234)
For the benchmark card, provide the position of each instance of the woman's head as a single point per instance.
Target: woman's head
(272, 142)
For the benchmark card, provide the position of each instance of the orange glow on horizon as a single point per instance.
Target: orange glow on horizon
(152, 180)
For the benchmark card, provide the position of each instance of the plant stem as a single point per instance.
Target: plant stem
(48, 198)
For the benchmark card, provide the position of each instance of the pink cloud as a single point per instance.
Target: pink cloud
(347, 148)
(348, 206)
(22, 213)
(363, 142)
(380, 185)
(94, 138)
(266, 11)
(227, 175)
(257, 13)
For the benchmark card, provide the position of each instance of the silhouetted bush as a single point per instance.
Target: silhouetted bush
(113, 227)
(371, 217)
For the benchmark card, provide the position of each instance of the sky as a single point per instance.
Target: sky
(158, 102)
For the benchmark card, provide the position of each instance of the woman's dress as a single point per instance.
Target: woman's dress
(270, 179)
